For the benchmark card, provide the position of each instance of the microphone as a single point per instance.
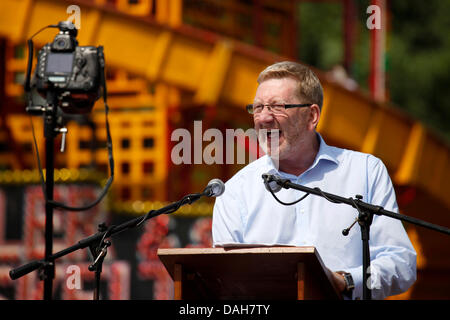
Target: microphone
(270, 182)
(214, 188)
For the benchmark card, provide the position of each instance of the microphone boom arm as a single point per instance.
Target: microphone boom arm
(378, 210)
(365, 217)
(96, 240)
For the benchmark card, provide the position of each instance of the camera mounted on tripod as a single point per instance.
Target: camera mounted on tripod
(70, 78)
(72, 72)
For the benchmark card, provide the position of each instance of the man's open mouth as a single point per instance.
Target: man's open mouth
(273, 133)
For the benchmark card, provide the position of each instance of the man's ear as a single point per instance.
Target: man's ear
(314, 116)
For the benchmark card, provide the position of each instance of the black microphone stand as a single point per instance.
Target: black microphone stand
(99, 254)
(98, 244)
(365, 217)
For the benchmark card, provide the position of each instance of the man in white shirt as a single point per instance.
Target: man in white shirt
(287, 107)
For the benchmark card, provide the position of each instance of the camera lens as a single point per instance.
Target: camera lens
(61, 44)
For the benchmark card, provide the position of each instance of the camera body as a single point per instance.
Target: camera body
(72, 72)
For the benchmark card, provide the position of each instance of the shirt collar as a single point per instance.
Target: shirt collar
(325, 152)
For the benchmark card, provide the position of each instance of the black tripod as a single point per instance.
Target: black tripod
(51, 129)
(53, 125)
(58, 87)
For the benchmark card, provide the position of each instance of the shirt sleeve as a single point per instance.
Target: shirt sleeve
(227, 225)
(393, 258)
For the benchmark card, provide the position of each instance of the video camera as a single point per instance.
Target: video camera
(72, 72)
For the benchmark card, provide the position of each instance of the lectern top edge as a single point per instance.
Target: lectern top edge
(238, 249)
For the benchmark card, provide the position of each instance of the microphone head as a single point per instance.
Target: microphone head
(215, 188)
(271, 185)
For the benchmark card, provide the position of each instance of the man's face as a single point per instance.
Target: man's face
(290, 126)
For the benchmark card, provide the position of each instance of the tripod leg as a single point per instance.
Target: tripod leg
(49, 133)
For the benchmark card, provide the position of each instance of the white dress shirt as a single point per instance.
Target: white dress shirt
(248, 214)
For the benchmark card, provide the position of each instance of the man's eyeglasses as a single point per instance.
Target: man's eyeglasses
(274, 108)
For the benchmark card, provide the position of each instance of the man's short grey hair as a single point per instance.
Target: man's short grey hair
(309, 88)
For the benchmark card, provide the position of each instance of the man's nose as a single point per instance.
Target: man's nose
(265, 116)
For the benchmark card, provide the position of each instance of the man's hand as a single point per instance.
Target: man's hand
(338, 280)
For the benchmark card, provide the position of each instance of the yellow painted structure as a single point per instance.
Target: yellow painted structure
(221, 71)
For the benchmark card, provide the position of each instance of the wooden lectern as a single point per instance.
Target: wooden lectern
(276, 273)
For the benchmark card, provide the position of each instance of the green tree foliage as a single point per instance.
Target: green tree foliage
(417, 56)
(419, 73)
(321, 34)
